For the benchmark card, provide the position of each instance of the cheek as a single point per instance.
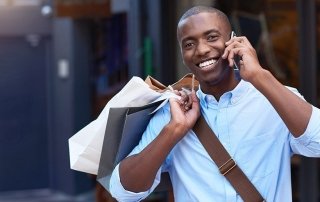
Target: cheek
(187, 57)
(220, 46)
(223, 47)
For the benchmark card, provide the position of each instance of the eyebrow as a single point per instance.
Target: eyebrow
(212, 31)
(205, 33)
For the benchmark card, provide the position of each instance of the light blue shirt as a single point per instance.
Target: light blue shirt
(253, 134)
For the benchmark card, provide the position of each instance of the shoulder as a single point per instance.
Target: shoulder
(161, 117)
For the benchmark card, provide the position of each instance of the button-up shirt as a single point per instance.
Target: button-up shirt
(251, 131)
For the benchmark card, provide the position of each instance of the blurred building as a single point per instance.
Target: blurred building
(62, 60)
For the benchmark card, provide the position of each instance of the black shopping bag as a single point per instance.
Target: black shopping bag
(123, 132)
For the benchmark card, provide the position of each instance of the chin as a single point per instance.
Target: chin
(216, 77)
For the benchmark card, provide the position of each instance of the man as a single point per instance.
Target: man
(260, 122)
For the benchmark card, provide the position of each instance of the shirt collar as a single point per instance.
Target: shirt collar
(233, 96)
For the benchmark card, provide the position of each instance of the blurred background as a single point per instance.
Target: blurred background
(62, 60)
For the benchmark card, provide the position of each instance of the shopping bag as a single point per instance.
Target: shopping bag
(125, 127)
(85, 146)
(123, 132)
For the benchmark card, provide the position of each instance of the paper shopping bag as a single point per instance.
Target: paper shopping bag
(124, 129)
(85, 146)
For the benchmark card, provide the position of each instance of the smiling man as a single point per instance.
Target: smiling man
(260, 122)
(202, 41)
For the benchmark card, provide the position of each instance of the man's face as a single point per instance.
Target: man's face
(202, 40)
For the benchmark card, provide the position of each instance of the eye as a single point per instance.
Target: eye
(188, 45)
(212, 37)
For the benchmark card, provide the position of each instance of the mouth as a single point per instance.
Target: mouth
(207, 64)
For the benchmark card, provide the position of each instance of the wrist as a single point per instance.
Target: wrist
(177, 130)
(260, 77)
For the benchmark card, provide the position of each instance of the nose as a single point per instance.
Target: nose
(203, 48)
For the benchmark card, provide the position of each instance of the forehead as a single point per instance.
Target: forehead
(200, 23)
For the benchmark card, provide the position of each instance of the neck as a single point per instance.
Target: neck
(228, 83)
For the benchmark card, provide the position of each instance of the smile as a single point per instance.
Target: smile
(207, 64)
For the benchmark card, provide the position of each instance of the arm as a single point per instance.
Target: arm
(137, 172)
(294, 111)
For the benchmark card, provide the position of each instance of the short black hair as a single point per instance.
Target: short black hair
(203, 9)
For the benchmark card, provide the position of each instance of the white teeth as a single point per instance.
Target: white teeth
(207, 63)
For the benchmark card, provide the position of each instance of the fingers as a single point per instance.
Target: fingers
(188, 104)
(231, 54)
(176, 92)
(195, 100)
(236, 47)
(185, 100)
(186, 110)
(229, 50)
(192, 101)
(240, 39)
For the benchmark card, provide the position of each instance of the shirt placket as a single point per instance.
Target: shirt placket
(222, 123)
(223, 130)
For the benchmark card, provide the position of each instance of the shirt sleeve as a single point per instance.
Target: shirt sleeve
(308, 144)
(121, 194)
(156, 124)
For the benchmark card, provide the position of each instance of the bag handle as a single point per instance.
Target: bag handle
(184, 82)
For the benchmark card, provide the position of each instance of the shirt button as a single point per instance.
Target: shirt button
(234, 100)
(209, 99)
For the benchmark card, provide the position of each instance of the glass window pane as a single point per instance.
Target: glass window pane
(27, 2)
